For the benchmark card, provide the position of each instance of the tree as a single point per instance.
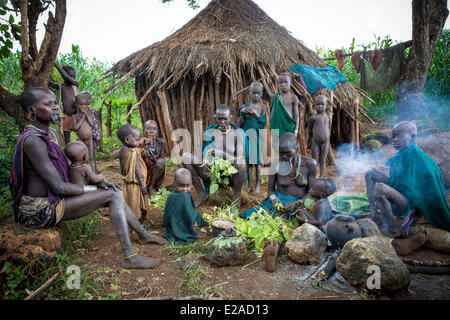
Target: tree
(428, 19)
(36, 62)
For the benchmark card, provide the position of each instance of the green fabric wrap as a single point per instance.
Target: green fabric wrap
(255, 150)
(417, 177)
(179, 218)
(280, 118)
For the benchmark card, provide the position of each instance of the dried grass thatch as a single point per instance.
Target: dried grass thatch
(214, 58)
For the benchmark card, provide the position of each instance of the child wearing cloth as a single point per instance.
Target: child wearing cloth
(134, 171)
(180, 216)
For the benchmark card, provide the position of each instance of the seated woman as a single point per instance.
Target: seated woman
(290, 185)
(180, 216)
(415, 187)
(40, 188)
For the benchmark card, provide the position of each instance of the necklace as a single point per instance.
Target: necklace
(297, 171)
(45, 132)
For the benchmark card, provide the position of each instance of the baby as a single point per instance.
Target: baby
(319, 133)
(78, 154)
(321, 212)
(180, 216)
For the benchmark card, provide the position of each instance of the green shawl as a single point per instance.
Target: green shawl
(255, 149)
(417, 176)
(179, 218)
(280, 118)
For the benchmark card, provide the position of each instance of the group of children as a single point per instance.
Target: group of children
(142, 161)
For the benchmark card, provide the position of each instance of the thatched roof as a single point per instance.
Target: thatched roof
(224, 32)
(214, 58)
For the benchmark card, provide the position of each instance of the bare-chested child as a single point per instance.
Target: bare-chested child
(252, 118)
(180, 217)
(83, 122)
(319, 133)
(134, 171)
(284, 112)
(321, 212)
(78, 154)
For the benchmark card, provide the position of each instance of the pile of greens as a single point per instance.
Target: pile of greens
(159, 198)
(221, 171)
(262, 226)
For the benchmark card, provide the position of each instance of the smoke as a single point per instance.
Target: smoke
(352, 166)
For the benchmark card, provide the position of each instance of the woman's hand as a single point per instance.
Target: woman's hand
(106, 185)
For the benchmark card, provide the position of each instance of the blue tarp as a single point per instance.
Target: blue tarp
(316, 78)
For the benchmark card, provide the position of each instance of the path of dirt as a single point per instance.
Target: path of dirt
(236, 282)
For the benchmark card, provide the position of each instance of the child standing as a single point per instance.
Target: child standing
(180, 216)
(284, 113)
(134, 171)
(319, 133)
(252, 118)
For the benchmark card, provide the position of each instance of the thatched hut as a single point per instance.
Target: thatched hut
(214, 58)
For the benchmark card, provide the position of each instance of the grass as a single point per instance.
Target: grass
(79, 237)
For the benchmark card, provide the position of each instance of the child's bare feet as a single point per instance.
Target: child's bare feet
(270, 255)
(200, 234)
(405, 246)
(256, 191)
(140, 262)
(150, 238)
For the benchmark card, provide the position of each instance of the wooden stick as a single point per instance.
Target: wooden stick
(312, 272)
(251, 263)
(195, 297)
(42, 288)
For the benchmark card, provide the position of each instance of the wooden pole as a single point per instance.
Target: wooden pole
(162, 94)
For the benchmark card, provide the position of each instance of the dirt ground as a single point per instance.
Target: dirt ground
(290, 282)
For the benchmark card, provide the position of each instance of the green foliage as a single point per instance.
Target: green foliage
(262, 226)
(159, 198)
(8, 24)
(221, 171)
(194, 4)
(11, 73)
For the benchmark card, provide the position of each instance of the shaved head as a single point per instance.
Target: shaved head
(288, 140)
(406, 127)
(182, 172)
(75, 150)
(126, 130)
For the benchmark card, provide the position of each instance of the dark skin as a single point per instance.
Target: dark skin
(78, 154)
(254, 110)
(132, 141)
(297, 187)
(67, 94)
(319, 133)
(157, 158)
(229, 152)
(322, 212)
(40, 173)
(380, 195)
(83, 122)
(290, 100)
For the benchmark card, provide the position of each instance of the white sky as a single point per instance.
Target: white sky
(112, 30)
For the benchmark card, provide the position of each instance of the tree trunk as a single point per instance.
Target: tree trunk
(36, 65)
(428, 18)
(128, 111)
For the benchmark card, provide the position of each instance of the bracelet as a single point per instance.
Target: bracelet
(87, 189)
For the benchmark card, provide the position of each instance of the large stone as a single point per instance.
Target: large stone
(23, 244)
(437, 239)
(307, 245)
(368, 227)
(360, 254)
